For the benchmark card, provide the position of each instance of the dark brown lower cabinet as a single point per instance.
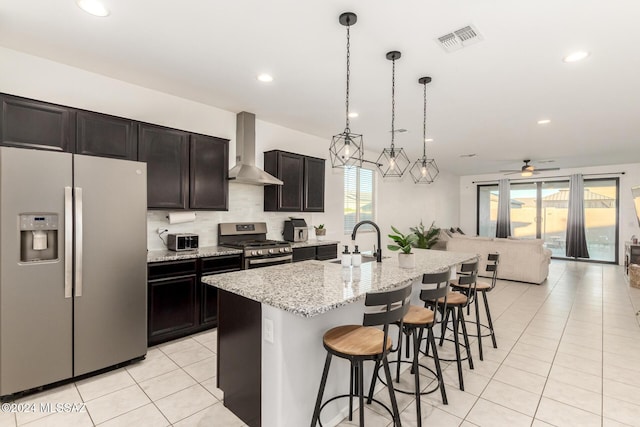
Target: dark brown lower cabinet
(172, 304)
(327, 252)
(320, 253)
(179, 303)
(304, 254)
(208, 305)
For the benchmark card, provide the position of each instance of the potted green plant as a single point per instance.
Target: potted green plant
(320, 231)
(425, 238)
(403, 243)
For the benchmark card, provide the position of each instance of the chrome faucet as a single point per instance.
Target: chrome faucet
(355, 229)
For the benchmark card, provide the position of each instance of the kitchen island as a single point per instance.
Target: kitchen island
(270, 327)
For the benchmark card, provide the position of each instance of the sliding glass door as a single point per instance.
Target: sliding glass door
(540, 209)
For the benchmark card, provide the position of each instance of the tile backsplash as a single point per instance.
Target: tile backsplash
(245, 204)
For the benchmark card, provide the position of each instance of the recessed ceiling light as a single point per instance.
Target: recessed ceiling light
(265, 78)
(353, 115)
(544, 121)
(93, 7)
(428, 140)
(576, 56)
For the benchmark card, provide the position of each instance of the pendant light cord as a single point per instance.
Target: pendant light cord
(347, 130)
(393, 102)
(424, 123)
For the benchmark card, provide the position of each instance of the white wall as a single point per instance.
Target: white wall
(402, 204)
(628, 221)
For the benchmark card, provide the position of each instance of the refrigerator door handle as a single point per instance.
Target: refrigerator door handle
(68, 242)
(78, 242)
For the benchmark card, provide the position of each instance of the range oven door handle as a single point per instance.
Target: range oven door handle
(270, 260)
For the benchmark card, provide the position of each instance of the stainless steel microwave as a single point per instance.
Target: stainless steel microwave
(182, 241)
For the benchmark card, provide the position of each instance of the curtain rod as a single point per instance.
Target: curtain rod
(547, 177)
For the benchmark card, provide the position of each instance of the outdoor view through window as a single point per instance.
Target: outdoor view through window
(540, 209)
(358, 197)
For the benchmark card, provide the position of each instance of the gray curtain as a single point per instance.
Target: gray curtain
(576, 235)
(503, 226)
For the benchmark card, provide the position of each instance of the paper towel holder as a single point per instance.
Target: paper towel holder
(180, 217)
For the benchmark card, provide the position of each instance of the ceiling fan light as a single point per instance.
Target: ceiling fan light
(527, 172)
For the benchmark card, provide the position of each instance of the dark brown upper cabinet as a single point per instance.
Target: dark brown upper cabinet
(27, 123)
(303, 178)
(313, 191)
(209, 173)
(106, 136)
(166, 152)
(184, 171)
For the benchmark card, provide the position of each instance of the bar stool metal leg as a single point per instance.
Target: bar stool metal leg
(323, 383)
(392, 395)
(478, 325)
(431, 341)
(465, 336)
(416, 373)
(486, 307)
(457, 347)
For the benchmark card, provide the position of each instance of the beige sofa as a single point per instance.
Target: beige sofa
(525, 260)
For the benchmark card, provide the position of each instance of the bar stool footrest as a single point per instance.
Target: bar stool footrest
(420, 365)
(460, 344)
(342, 396)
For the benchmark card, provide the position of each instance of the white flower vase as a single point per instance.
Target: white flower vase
(406, 260)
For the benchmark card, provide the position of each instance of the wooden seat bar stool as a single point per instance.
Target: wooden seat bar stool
(456, 303)
(414, 324)
(482, 288)
(358, 343)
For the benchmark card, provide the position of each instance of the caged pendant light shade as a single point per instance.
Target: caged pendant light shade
(393, 162)
(424, 170)
(347, 148)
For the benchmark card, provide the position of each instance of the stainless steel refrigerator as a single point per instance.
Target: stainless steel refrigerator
(73, 265)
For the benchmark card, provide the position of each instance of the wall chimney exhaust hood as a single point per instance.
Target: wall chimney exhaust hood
(245, 170)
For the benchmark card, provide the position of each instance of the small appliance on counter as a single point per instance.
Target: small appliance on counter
(182, 241)
(295, 230)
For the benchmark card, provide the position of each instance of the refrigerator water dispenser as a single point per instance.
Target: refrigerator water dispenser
(38, 237)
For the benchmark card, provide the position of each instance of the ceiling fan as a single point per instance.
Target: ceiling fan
(528, 170)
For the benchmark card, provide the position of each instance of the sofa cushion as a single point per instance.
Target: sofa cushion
(525, 260)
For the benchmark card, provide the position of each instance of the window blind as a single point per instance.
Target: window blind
(358, 196)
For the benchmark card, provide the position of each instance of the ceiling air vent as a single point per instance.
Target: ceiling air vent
(459, 38)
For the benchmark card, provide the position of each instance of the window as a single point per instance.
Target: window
(358, 197)
(540, 210)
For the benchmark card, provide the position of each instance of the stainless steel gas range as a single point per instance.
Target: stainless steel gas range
(251, 237)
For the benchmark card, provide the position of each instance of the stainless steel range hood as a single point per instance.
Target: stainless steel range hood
(245, 171)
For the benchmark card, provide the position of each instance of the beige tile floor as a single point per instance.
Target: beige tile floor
(568, 355)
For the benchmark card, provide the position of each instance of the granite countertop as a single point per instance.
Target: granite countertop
(167, 255)
(314, 242)
(311, 288)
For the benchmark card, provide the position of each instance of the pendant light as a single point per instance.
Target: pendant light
(347, 148)
(393, 161)
(424, 171)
